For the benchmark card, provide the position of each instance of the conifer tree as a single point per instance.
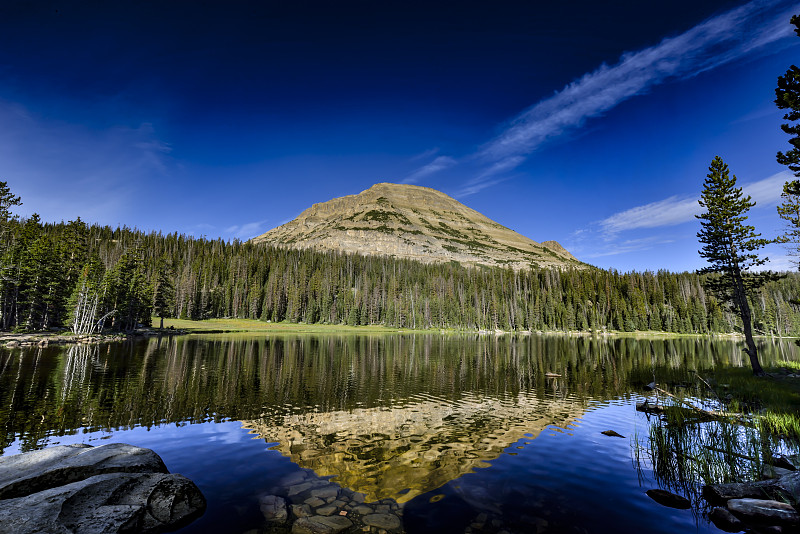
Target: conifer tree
(787, 96)
(7, 200)
(7, 264)
(789, 211)
(163, 291)
(730, 245)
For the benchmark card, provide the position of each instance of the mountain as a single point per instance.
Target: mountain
(408, 221)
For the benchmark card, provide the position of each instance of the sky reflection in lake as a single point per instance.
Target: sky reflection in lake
(451, 426)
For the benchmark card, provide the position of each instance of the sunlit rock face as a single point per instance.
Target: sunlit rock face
(412, 448)
(412, 222)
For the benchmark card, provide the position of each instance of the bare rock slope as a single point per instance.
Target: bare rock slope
(419, 223)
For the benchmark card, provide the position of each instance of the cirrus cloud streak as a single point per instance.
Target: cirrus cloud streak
(677, 210)
(715, 42)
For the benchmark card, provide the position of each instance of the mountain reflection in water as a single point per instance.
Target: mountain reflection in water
(49, 391)
(406, 450)
(394, 416)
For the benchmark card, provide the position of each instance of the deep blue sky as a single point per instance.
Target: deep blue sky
(591, 123)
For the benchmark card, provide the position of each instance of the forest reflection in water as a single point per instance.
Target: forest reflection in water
(387, 415)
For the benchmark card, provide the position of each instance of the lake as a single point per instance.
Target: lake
(459, 433)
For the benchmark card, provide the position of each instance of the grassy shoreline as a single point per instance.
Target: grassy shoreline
(174, 326)
(233, 325)
(254, 326)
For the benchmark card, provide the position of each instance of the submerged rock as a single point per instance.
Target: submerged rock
(363, 509)
(783, 462)
(321, 525)
(327, 510)
(115, 488)
(383, 520)
(320, 506)
(301, 510)
(274, 509)
(724, 520)
(763, 511)
(769, 471)
(327, 492)
(671, 500)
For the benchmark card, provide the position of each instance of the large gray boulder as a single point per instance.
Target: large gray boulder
(116, 488)
(23, 474)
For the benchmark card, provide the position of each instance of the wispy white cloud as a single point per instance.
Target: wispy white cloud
(677, 210)
(767, 192)
(637, 228)
(667, 212)
(717, 41)
(624, 247)
(202, 227)
(439, 164)
(489, 177)
(504, 165)
(99, 171)
(425, 154)
(760, 113)
(710, 44)
(475, 186)
(153, 150)
(246, 230)
(779, 263)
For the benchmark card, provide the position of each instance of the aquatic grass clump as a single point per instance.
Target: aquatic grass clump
(686, 450)
(781, 426)
(773, 393)
(728, 435)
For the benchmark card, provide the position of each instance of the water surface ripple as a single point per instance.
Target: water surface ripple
(501, 432)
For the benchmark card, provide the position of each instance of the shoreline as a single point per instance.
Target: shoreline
(11, 340)
(177, 327)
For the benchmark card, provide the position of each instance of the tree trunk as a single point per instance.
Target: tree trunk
(744, 313)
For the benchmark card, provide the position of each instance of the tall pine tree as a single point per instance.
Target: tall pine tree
(789, 211)
(163, 291)
(787, 96)
(730, 245)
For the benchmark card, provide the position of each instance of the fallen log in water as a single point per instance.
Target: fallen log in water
(684, 408)
(681, 413)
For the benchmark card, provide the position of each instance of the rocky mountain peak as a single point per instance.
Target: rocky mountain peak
(420, 223)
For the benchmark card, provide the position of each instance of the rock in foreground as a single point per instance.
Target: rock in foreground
(116, 488)
(759, 506)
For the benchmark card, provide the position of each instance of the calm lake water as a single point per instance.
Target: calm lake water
(455, 429)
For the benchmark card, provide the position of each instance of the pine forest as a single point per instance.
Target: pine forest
(89, 277)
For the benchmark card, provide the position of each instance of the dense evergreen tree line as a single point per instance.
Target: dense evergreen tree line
(54, 274)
